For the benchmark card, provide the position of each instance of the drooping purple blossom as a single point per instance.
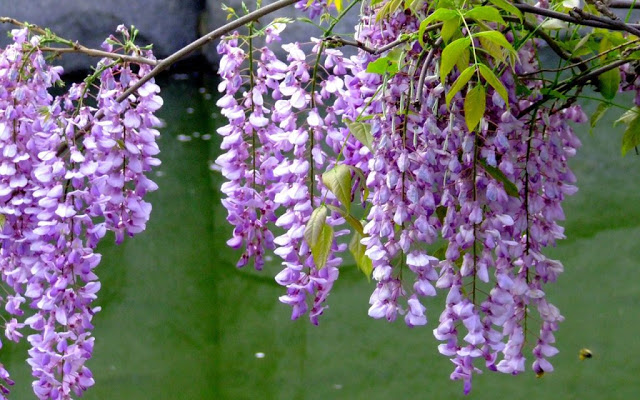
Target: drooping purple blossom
(56, 205)
(447, 209)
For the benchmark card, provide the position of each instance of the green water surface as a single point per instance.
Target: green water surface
(178, 321)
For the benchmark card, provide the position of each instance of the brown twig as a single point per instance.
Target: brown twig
(99, 53)
(583, 61)
(576, 81)
(593, 22)
(584, 16)
(423, 71)
(190, 48)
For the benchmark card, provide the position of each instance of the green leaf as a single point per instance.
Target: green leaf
(441, 14)
(628, 116)
(362, 132)
(357, 249)
(322, 249)
(509, 187)
(451, 54)
(441, 252)
(631, 138)
(382, 66)
(314, 226)
(474, 106)
(451, 19)
(3, 219)
(598, 114)
(351, 220)
(485, 13)
(449, 28)
(497, 38)
(391, 7)
(495, 83)
(441, 213)
(553, 93)
(580, 44)
(460, 82)
(463, 61)
(508, 7)
(493, 49)
(338, 181)
(608, 83)
(414, 5)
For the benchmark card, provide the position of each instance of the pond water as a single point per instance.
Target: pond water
(179, 321)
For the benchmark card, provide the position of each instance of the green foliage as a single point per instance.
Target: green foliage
(314, 225)
(474, 106)
(390, 64)
(338, 181)
(319, 236)
(362, 132)
(451, 54)
(508, 7)
(496, 38)
(509, 187)
(485, 13)
(608, 83)
(631, 137)
(357, 249)
(351, 220)
(598, 114)
(389, 8)
(459, 83)
(492, 80)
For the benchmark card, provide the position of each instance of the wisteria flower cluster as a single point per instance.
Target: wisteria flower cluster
(69, 172)
(453, 203)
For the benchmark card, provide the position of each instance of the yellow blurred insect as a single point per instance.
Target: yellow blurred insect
(584, 353)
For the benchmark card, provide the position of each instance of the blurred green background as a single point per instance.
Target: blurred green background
(179, 321)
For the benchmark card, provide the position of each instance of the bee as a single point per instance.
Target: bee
(584, 353)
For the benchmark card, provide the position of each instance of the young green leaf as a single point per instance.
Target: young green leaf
(451, 54)
(553, 93)
(497, 38)
(628, 116)
(474, 106)
(495, 83)
(322, 249)
(441, 14)
(631, 138)
(449, 28)
(608, 83)
(382, 66)
(351, 220)
(509, 187)
(357, 249)
(460, 82)
(496, 51)
(463, 61)
(598, 114)
(314, 226)
(485, 13)
(389, 8)
(338, 181)
(508, 7)
(362, 132)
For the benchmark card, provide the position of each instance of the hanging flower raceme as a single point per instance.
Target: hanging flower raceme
(66, 177)
(461, 171)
